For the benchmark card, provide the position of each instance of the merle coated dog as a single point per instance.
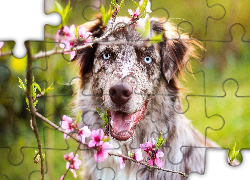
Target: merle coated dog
(138, 84)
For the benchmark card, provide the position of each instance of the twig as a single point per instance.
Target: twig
(56, 127)
(100, 39)
(36, 157)
(6, 53)
(111, 154)
(150, 167)
(72, 160)
(32, 108)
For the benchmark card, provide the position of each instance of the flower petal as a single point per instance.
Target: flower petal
(1, 44)
(138, 155)
(131, 12)
(159, 154)
(67, 119)
(158, 162)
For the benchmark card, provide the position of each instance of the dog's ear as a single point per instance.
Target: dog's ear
(85, 57)
(174, 51)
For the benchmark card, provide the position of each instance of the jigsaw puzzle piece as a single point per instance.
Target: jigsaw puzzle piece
(193, 12)
(236, 13)
(17, 147)
(34, 29)
(217, 166)
(234, 109)
(201, 119)
(229, 60)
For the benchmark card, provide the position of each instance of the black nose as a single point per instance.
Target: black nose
(120, 93)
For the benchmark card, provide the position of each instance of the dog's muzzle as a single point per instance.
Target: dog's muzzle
(120, 93)
(122, 124)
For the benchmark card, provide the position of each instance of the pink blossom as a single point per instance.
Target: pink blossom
(97, 136)
(82, 133)
(120, 160)
(153, 154)
(149, 144)
(68, 157)
(134, 14)
(138, 155)
(73, 162)
(67, 124)
(156, 159)
(102, 151)
(84, 34)
(66, 35)
(148, 7)
(1, 45)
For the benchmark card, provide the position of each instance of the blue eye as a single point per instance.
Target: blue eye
(148, 59)
(106, 56)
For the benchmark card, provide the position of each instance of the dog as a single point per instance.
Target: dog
(138, 83)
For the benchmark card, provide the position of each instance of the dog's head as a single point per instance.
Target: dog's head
(126, 71)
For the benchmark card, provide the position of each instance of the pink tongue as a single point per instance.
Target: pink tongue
(121, 121)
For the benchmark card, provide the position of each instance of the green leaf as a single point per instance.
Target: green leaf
(157, 38)
(144, 33)
(135, 3)
(67, 8)
(79, 116)
(109, 14)
(113, 2)
(104, 116)
(46, 91)
(105, 139)
(67, 12)
(106, 16)
(147, 27)
(33, 91)
(35, 103)
(102, 9)
(143, 6)
(233, 154)
(22, 86)
(27, 102)
(37, 86)
(159, 141)
(121, 4)
(131, 154)
(59, 8)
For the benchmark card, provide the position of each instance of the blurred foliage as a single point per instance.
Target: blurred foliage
(220, 60)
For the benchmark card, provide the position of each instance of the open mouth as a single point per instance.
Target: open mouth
(122, 124)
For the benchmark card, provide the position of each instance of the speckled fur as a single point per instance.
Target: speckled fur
(156, 83)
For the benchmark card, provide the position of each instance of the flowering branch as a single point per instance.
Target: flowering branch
(31, 106)
(72, 161)
(96, 40)
(145, 164)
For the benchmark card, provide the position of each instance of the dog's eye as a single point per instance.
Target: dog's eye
(148, 59)
(106, 56)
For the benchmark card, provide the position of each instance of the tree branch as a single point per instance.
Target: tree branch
(6, 53)
(111, 154)
(29, 77)
(148, 166)
(56, 127)
(72, 160)
(100, 39)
